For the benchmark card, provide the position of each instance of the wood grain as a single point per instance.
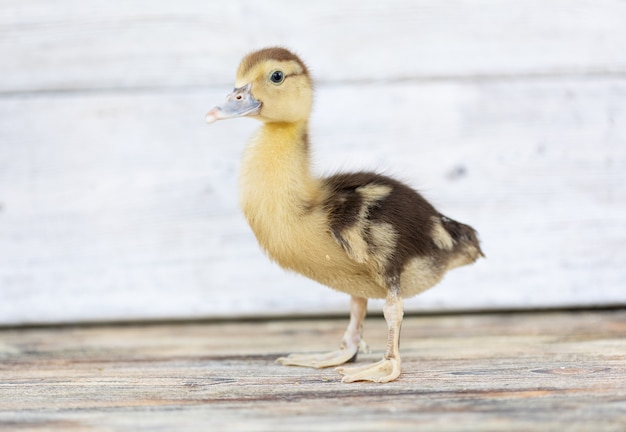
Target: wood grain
(476, 372)
(146, 44)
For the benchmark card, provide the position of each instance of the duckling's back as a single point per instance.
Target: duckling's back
(386, 225)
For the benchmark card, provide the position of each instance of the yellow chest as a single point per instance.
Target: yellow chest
(282, 202)
(279, 197)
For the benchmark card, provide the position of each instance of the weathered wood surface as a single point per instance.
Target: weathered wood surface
(70, 45)
(134, 212)
(539, 371)
(117, 202)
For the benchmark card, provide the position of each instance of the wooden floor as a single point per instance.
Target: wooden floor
(529, 371)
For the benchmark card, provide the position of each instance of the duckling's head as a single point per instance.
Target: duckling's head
(272, 85)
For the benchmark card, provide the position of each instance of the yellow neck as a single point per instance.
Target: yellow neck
(276, 183)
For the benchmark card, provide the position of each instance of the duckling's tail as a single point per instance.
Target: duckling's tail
(466, 239)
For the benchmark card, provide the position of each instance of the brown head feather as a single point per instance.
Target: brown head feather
(273, 53)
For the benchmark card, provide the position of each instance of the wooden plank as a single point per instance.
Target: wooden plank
(544, 371)
(121, 206)
(145, 44)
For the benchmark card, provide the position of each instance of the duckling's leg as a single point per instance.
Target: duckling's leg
(388, 369)
(352, 342)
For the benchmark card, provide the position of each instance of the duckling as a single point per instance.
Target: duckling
(361, 233)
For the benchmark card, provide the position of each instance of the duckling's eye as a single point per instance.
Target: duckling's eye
(277, 77)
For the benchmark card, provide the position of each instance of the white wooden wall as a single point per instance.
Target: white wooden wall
(118, 202)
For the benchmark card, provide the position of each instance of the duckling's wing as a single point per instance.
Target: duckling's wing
(376, 218)
(380, 221)
(349, 202)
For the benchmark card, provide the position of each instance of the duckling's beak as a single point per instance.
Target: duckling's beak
(237, 104)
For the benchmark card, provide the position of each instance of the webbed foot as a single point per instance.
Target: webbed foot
(352, 343)
(383, 371)
(333, 358)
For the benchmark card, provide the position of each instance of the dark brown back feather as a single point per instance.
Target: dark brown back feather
(410, 214)
(461, 233)
(404, 208)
